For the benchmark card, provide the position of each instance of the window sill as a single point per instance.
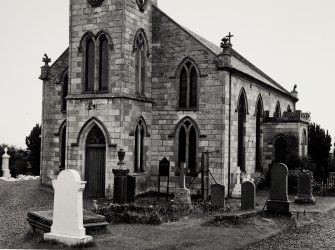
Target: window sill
(139, 173)
(187, 109)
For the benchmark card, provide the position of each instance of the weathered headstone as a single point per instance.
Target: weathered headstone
(218, 195)
(67, 226)
(248, 196)
(5, 165)
(237, 189)
(182, 195)
(278, 202)
(164, 170)
(305, 187)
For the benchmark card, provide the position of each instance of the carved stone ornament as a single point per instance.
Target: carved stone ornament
(141, 4)
(95, 3)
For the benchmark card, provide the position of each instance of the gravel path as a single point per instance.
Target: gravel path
(16, 199)
(318, 234)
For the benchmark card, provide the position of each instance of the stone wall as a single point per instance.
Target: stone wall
(52, 119)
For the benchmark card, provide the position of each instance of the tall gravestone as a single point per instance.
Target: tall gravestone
(218, 196)
(68, 226)
(278, 202)
(305, 187)
(248, 196)
(5, 165)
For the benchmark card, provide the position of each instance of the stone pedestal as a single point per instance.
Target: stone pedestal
(277, 206)
(182, 196)
(120, 186)
(237, 189)
(68, 226)
(305, 188)
(5, 165)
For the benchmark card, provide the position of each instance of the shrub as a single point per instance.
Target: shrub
(293, 176)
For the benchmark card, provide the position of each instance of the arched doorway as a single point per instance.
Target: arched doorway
(95, 163)
(242, 113)
(259, 114)
(280, 150)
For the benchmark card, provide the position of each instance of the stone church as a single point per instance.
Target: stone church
(133, 79)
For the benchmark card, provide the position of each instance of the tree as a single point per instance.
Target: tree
(33, 142)
(319, 145)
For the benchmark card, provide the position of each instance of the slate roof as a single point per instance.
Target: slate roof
(238, 61)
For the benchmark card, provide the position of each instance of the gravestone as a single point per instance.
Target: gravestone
(248, 196)
(278, 202)
(164, 170)
(237, 189)
(305, 188)
(5, 165)
(68, 226)
(218, 195)
(182, 195)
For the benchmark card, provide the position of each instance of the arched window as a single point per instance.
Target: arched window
(259, 115)
(140, 64)
(139, 160)
(304, 143)
(277, 112)
(242, 113)
(62, 148)
(89, 65)
(65, 84)
(103, 63)
(187, 145)
(188, 86)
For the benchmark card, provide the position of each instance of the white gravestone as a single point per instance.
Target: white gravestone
(68, 225)
(5, 165)
(237, 189)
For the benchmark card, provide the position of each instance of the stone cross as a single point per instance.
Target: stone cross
(237, 189)
(182, 175)
(68, 225)
(5, 164)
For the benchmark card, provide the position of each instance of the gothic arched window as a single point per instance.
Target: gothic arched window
(242, 113)
(277, 113)
(65, 84)
(139, 160)
(140, 63)
(187, 146)
(304, 143)
(188, 89)
(89, 65)
(259, 115)
(62, 145)
(103, 63)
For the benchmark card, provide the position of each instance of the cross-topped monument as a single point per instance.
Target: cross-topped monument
(229, 37)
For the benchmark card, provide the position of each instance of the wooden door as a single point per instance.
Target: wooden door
(95, 164)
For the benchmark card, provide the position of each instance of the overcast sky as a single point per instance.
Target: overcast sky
(290, 40)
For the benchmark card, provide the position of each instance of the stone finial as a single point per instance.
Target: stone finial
(294, 92)
(6, 150)
(224, 58)
(45, 68)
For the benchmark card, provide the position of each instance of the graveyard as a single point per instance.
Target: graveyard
(197, 228)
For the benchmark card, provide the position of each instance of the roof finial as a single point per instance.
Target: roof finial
(226, 41)
(46, 60)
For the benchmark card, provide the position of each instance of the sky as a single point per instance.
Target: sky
(292, 41)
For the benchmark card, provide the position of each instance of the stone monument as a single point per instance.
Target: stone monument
(68, 227)
(182, 195)
(120, 179)
(278, 202)
(218, 195)
(237, 189)
(5, 165)
(305, 188)
(248, 196)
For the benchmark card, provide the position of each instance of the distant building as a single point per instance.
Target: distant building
(135, 79)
